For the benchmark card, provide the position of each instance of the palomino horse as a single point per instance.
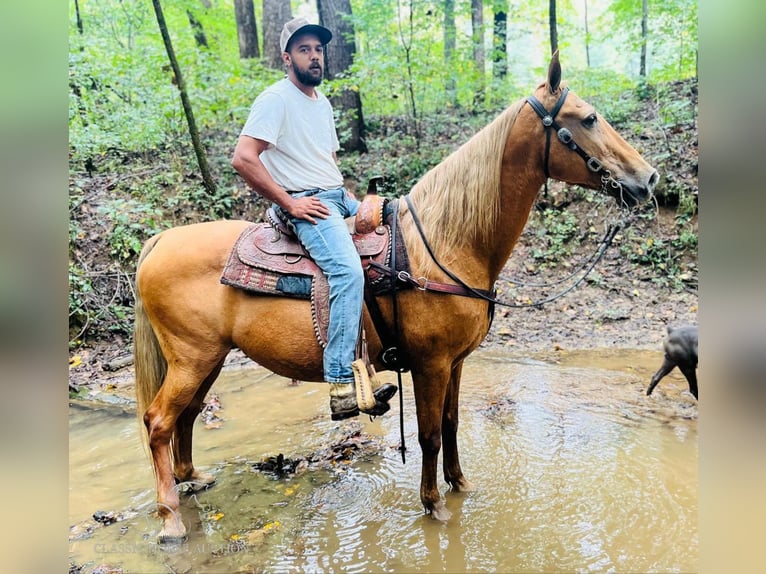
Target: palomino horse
(472, 208)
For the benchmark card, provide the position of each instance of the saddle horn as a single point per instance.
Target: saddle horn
(372, 185)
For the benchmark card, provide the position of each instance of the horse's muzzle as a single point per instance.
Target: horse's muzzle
(631, 193)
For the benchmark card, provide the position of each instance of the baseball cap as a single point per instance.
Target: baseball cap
(301, 25)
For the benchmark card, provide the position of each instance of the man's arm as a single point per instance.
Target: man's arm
(247, 162)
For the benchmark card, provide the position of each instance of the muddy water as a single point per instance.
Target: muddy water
(574, 468)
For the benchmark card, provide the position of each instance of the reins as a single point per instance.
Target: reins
(482, 294)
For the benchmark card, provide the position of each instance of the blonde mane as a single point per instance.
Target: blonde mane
(457, 201)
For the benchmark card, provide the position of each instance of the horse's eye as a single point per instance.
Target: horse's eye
(590, 121)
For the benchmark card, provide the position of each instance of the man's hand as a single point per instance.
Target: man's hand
(308, 208)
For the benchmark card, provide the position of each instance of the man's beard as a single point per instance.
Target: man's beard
(306, 77)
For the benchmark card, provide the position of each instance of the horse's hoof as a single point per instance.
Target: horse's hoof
(201, 480)
(462, 485)
(196, 482)
(171, 535)
(439, 512)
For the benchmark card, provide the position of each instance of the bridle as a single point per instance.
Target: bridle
(565, 136)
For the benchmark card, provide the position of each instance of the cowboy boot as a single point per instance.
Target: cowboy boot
(343, 403)
(348, 399)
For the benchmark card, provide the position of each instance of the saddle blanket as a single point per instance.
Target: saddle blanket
(269, 260)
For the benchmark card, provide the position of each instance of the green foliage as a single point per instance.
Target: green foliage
(132, 222)
(672, 36)
(609, 92)
(670, 261)
(80, 289)
(557, 228)
(122, 92)
(90, 311)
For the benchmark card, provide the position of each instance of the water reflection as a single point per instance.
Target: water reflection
(575, 469)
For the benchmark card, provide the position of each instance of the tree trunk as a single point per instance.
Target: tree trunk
(275, 14)
(449, 49)
(500, 42)
(339, 55)
(77, 14)
(553, 29)
(247, 32)
(197, 29)
(587, 37)
(644, 34)
(477, 37)
(199, 151)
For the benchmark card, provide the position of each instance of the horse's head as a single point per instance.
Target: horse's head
(580, 147)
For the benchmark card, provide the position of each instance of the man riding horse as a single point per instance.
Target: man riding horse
(286, 153)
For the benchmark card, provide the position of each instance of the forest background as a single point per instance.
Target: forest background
(409, 80)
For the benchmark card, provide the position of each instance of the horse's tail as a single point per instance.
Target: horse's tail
(150, 364)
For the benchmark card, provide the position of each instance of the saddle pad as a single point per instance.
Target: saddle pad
(267, 262)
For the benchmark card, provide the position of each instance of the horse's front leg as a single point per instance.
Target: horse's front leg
(453, 474)
(430, 390)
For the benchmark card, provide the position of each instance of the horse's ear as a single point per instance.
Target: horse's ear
(554, 73)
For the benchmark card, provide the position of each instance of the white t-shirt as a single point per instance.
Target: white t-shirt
(301, 136)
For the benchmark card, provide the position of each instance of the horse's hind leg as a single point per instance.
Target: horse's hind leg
(183, 467)
(453, 474)
(177, 392)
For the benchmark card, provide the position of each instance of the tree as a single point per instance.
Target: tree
(449, 48)
(193, 132)
(197, 29)
(339, 56)
(552, 26)
(644, 36)
(477, 39)
(587, 37)
(500, 40)
(247, 32)
(275, 14)
(407, 41)
(77, 15)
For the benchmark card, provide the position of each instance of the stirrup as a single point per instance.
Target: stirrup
(364, 395)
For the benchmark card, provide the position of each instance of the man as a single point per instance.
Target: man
(286, 153)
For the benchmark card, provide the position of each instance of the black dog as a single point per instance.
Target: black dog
(680, 351)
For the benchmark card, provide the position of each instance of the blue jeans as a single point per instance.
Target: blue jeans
(329, 243)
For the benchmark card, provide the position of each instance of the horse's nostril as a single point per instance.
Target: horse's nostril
(655, 177)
